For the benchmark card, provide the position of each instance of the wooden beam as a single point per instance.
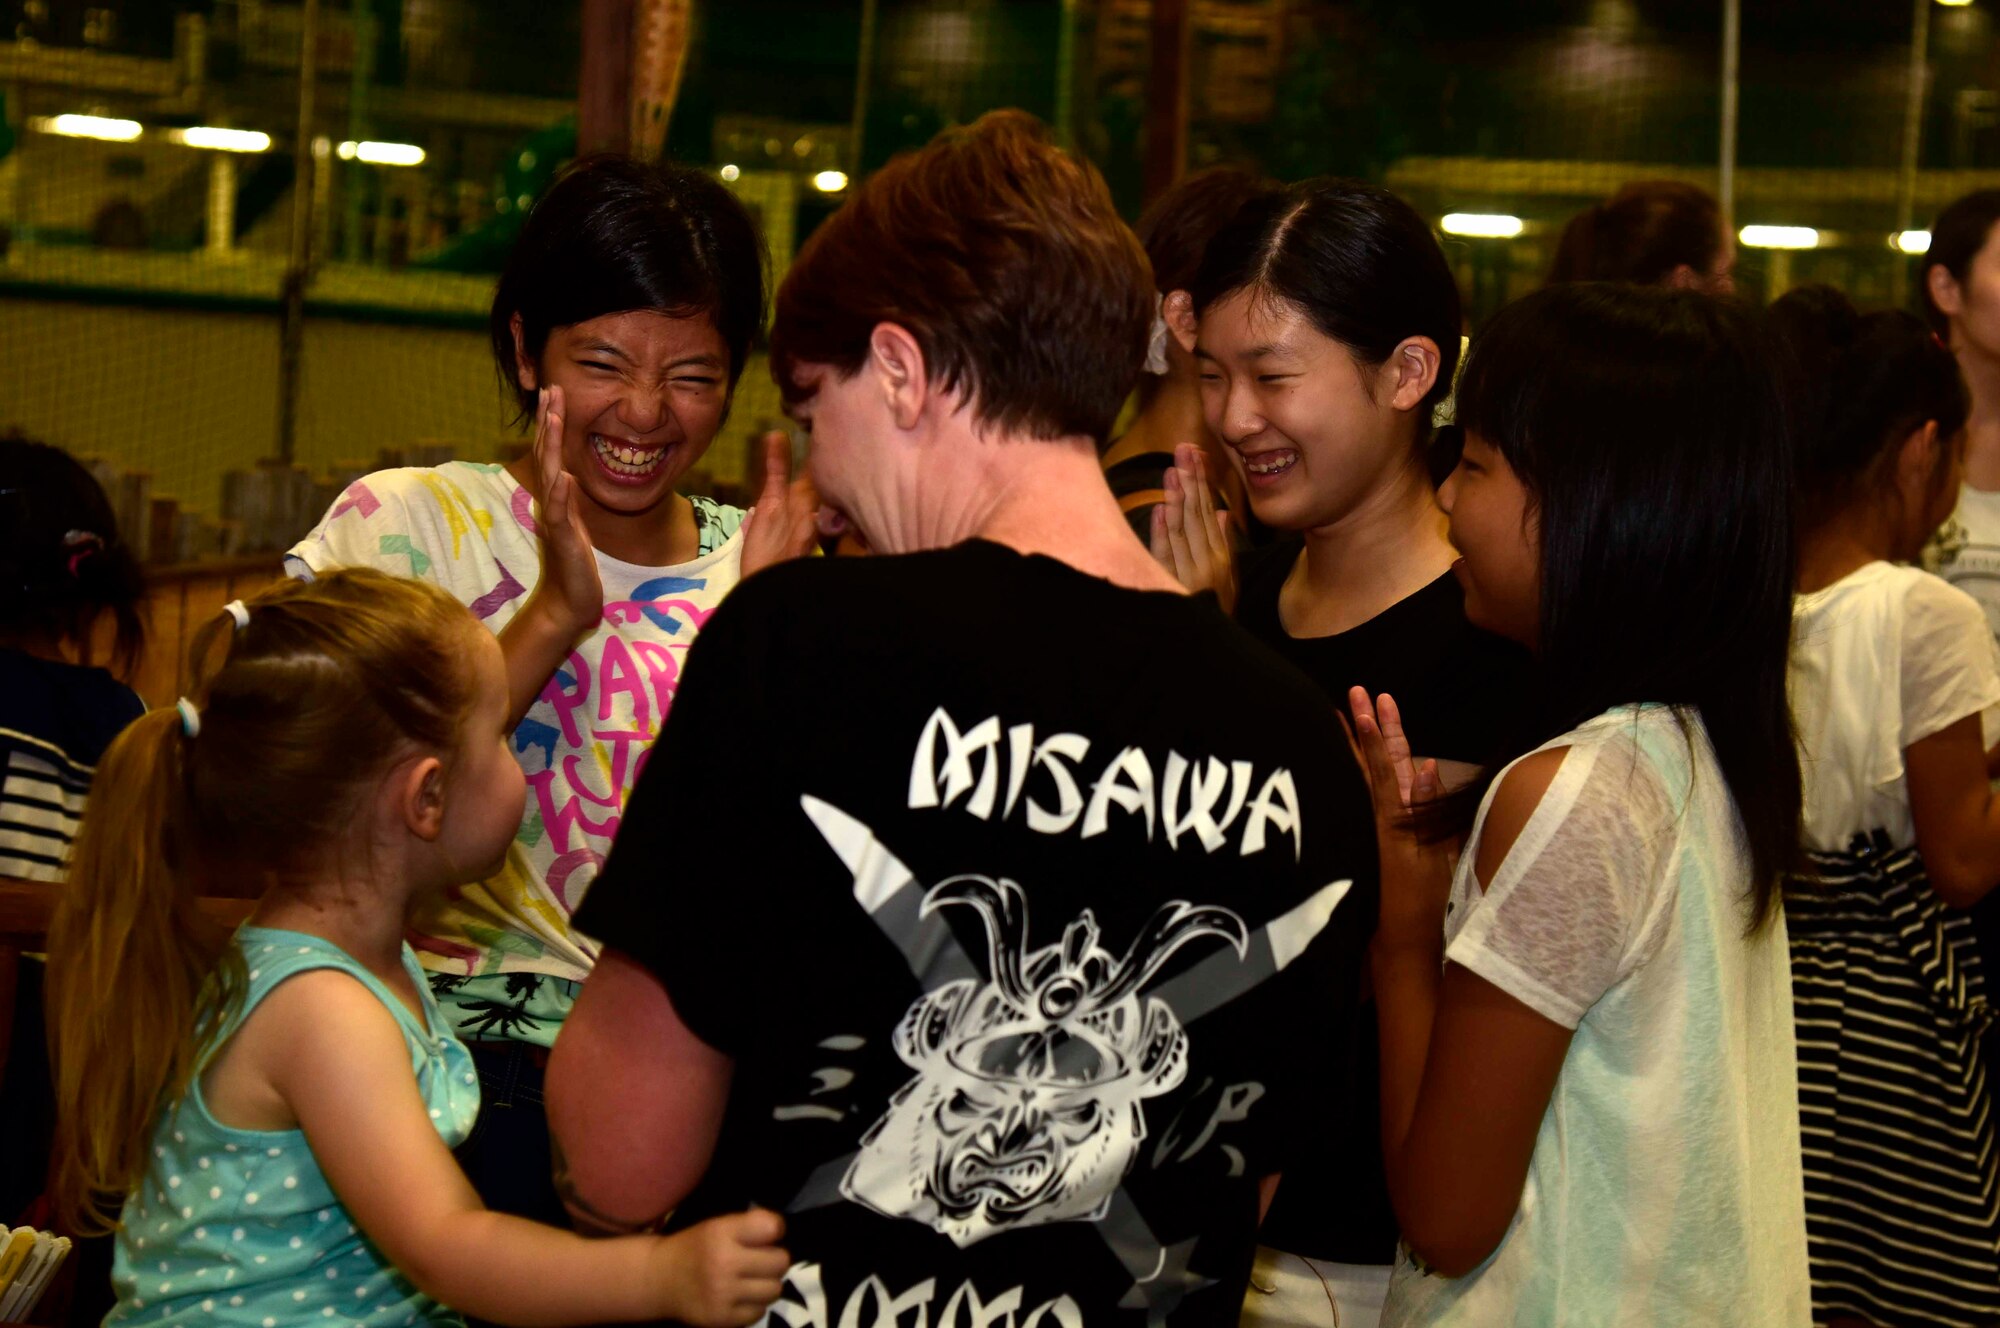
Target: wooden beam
(604, 84)
(27, 906)
(1167, 97)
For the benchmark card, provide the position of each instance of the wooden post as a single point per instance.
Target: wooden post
(1732, 106)
(604, 84)
(298, 269)
(1913, 115)
(1167, 97)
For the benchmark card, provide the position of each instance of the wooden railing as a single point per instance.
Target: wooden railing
(178, 601)
(26, 908)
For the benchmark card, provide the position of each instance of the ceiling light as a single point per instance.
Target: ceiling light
(382, 154)
(224, 140)
(89, 126)
(1485, 225)
(1779, 237)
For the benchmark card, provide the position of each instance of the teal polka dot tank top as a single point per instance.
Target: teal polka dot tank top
(239, 1227)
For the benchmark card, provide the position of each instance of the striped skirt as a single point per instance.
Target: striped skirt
(1902, 1191)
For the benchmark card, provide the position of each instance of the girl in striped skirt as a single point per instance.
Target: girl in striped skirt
(1893, 672)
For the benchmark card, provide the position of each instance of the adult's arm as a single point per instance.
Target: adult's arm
(635, 1101)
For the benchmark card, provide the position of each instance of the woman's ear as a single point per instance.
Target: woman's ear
(1684, 277)
(524, 365)
(1178, 310)
(1944, 290)
(1919, 461)
(1413, 370)
(897, 362)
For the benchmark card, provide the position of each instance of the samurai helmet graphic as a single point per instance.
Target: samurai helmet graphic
(1027, 1105)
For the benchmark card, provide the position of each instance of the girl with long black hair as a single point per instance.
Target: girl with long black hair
(1589, 1090)
(1894, 673)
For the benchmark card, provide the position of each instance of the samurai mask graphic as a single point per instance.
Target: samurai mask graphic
(1027, 1106)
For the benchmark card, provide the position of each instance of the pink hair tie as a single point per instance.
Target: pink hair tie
(81, 544)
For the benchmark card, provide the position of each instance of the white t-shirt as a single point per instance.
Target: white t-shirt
(1967, 552)
(1882, 658)
(1665, 1188)
(471, 528)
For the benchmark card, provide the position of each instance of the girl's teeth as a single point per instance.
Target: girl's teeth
(1272, 467)
(621, 459)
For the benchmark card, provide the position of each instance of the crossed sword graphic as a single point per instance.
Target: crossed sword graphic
(893, 898)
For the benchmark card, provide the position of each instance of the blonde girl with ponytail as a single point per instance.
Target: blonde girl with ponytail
(265, 1118)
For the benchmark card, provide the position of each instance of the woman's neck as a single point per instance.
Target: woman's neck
(1171, 416)
(1982, 429)
(1035, 496)
(37, 643)
(1388, 548)
(1840, 546)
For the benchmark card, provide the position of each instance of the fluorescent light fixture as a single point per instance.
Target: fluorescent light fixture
(1954, 4)
(1911, 242)
(382, 154)
(731, 174)
(89, 126)
(830, 182)
(224, 140)
(1485, 225)
(1779, 237)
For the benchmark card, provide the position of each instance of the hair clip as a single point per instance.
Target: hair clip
(190, 718)
(238, 610)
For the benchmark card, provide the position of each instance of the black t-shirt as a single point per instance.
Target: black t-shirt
(1031, 910)
(1457, 688)
(56, 719)
(1456, 685)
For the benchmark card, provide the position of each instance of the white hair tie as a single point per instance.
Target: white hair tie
(238, 610)
(190, 718)
(1156, 345)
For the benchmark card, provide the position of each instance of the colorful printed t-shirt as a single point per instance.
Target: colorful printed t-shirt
(237, 1226)
(472, 529)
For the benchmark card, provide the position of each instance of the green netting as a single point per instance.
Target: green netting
(142, 284)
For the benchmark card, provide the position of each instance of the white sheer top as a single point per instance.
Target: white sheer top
(1881, 659)
(1665, 1187)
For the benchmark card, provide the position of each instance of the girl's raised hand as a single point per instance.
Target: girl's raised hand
(1190, 537)
(782, 525)
(571, 588)
(1416, 876)
(725, 1272)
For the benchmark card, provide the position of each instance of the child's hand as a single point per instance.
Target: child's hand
(1416, 877)
(781, 526)
(725, 1272)
(1191, 538)
(571, 589)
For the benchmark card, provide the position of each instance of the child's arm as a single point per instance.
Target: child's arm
(1957, 818)
(339, 1060)
(1467, 1070)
